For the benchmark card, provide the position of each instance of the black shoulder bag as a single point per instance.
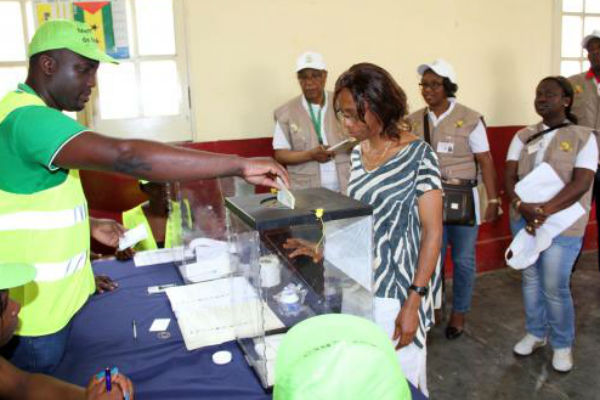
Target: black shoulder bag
(459, 204)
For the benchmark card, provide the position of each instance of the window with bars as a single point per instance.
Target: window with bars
(145, 96)
(578, 19)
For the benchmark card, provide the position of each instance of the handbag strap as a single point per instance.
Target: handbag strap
(541, 133)
(426, 132)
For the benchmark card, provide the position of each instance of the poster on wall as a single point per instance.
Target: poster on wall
(108, 19)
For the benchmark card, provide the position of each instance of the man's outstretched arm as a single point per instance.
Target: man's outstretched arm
(162, 162)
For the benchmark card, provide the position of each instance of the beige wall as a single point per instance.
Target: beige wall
(242, 53)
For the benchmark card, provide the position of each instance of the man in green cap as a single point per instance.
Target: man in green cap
(43, 212)
(17, 384)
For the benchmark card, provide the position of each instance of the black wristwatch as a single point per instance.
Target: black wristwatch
(420, 290)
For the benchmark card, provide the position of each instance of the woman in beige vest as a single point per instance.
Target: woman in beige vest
(459, 138)
(572, 152)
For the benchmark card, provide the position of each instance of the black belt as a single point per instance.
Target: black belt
(460, 182)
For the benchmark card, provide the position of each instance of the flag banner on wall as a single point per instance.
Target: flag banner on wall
(109, 26)
(107, 18)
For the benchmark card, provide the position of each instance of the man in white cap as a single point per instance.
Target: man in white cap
(586, 104)
(306, 126)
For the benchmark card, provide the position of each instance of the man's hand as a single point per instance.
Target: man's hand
(320, 154)
(105, 284)
(106, 231)
(407, 321)
(122, 388)
(125, 255)
(263, 171)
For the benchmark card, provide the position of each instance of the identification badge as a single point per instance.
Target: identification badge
(445, 147)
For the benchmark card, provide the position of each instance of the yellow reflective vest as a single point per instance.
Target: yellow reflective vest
(173, 234)
(49, 229)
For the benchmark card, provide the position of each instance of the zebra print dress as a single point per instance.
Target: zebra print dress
(393, 190)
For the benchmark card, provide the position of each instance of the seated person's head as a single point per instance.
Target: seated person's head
(157, 192)
(13, 275)
(338, 356)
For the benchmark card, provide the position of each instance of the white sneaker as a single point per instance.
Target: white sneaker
(528, 344)
(562, 360)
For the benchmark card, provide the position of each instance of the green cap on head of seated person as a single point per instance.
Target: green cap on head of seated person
(14, 275)
(338, 356)
(66, 34)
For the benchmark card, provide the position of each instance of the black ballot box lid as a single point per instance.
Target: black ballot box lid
(262, 211)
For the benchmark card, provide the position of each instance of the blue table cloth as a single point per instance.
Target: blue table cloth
(160, 368)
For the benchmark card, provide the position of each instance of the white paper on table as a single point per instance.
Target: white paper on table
(158, 256)
(160, 324)
(540, 185)
(206, 312)
(132, 237)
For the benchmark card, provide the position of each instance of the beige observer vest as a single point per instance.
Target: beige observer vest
(586, 104)
(459, 125)
(561, 155)
(297, 126)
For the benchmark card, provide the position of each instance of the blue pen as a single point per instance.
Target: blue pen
(107, 379)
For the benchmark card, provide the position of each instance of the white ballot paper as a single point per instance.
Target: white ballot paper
(209, 313)
(344, 145)
(284, 196)
(158, 256)
(132, 237)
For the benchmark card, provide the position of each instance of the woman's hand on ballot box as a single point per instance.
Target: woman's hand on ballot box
(301, 247)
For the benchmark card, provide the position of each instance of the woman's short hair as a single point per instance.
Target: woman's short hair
(568, 92)
(372, 85)
(449, 88)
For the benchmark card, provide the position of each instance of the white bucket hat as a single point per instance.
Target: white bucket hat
(441, 67)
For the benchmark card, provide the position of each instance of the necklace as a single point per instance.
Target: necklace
(371, 164)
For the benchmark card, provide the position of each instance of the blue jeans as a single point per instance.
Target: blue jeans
(40, 354)
(462, 238)
(547, 297)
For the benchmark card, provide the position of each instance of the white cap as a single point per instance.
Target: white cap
(594, 34)
(310, 59)
(440, 67)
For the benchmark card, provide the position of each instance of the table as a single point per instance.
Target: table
(160, 368)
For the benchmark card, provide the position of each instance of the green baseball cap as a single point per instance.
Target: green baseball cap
(15, 274)
(338, 356)
(66, 34)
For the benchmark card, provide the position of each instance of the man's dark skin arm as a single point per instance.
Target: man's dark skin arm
(16, 384)
(160, 162)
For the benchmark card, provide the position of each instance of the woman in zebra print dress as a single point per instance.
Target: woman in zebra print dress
(398, 174)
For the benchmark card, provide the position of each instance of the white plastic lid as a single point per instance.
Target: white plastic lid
(222, 357)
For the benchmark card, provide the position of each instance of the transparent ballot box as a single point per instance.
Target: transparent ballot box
(290, 264)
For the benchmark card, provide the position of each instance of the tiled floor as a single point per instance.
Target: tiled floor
(480, 364)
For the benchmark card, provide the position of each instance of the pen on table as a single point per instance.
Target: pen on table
(107, 379)
(166, 286)
(134, 326)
